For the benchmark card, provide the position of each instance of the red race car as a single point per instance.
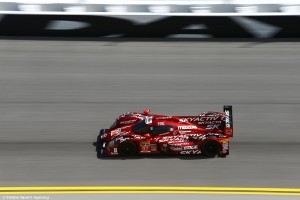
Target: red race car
(135, 133)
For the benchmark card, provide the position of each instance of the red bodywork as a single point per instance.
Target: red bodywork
(145, 133)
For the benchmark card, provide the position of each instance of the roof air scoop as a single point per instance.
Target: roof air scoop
(146, 112)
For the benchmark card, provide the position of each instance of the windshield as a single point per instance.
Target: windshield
(140, 127)
(162, 129)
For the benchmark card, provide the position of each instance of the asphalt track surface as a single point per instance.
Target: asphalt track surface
(56, 95)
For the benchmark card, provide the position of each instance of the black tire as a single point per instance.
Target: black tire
(127, 149)
(211, 148)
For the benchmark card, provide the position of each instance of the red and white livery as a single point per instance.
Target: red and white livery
(135, 133)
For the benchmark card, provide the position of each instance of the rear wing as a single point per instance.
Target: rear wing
(228, 128)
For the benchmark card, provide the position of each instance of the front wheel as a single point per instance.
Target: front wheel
(127, 148)
(211, 148)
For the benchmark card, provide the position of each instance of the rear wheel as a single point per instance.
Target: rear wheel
(127, 148)
(211, 148)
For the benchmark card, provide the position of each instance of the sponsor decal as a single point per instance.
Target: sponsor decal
(194, 147)
(145, 147)
(128, 122)
(161, 123)
(177, 138)
(103, 136)
(183, 120)
(202, 118)
(148, 120)
(121, 139)
(139, 137)
(160, 118)
(212, 127)
(186, 127)
(145, 143)
(227, 120)
(209, 122)
(215, 134)
(225, 147)
(191, 152)
(182, 138)
(176, 148)
(184, 132)
(115, 132)
(125, 133)
(161, 134)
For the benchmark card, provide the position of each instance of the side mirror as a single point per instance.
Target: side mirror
(147, 135)
(146, 112)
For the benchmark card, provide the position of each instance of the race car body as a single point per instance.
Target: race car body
(135, 133)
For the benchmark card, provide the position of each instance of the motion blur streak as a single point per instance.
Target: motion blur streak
(56, 95)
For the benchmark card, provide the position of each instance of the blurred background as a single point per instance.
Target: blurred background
(69, 69)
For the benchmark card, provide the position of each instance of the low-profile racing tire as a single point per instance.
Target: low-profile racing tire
(211, 148)
(127, 148)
